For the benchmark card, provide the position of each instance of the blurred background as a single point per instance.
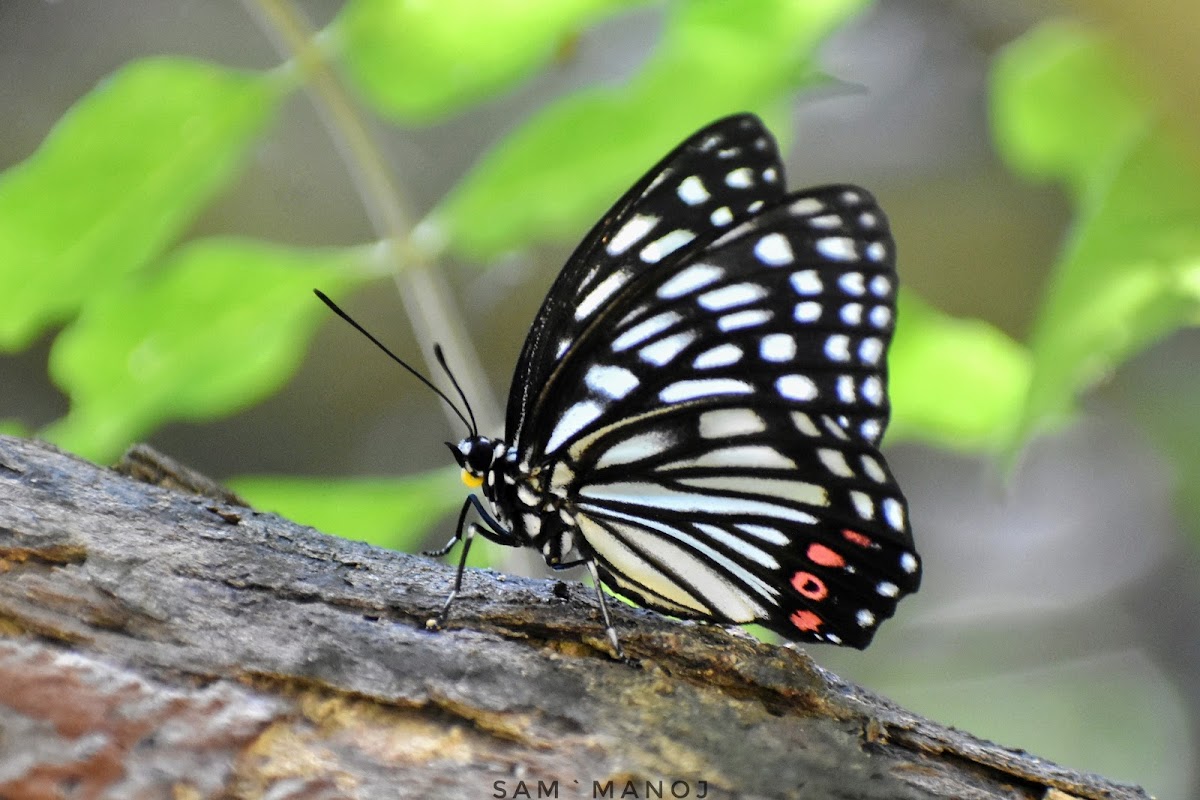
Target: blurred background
(1060, 600)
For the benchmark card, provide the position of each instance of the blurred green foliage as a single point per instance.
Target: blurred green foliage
(154, 329)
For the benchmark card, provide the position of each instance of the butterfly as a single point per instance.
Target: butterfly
(696, 412)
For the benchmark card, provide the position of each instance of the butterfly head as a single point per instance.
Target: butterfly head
(475, 455)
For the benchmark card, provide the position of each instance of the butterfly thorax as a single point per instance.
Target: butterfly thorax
(531, 503)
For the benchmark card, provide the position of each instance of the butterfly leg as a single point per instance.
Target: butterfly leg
(440, 620)
(492, 530)
(608, 626)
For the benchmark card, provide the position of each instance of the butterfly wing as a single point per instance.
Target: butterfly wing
(719, 421)
(717, 178)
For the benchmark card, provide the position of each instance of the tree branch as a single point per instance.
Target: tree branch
(158, 643)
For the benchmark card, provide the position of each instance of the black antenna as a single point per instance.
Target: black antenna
(438, 350)
(441, 359)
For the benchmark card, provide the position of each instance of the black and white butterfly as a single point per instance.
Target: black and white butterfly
(696, 412)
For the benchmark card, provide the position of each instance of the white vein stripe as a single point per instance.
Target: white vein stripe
(661, 248)
(631, 233)
(809, 494)
(610, 381)
(697, 276)
(644, 330)
(717, 590)
(572, 422)
(625, 561)
(635, 448)
(749, 455)
(740, 546)
(661, 353)
(681, 391)
(720, 356)
(726, 422)
(737, 294)
(596, 297)
(658, 496)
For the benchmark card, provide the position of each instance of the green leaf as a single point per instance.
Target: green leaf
(13, 427)
(955, 382)
(554, 176)
(417, 62)
(1130, 272)
(388, 512)
(219, 327)
(116, 180)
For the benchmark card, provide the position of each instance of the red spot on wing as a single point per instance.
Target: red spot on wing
(810, 586)
(806, 621)
(820, 554)
(860, 539)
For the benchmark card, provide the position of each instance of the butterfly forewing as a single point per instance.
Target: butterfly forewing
(712, 182)
(719, 417)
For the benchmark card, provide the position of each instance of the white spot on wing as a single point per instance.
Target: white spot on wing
(837, 248)
(852, 283)
(804, 424)
(720, 356)
(845, 389)
(664, 350)
(572, 422)
(862, 504)
(697, 276)
(851, 313)
(729, 422)
(777, 347)
(806, 205)
(721, 217)
(691, 190)
(871, 430)
(796, 387)
(872, 390)
(631, 233)
(870, 350)
(881, 286)
(743, 319)
(835, 462)
(740, 178)
(893, 512)
(682, 391)
(644, 330)
(737, 294)
(881, 316)
(808, 311)
(806, 282)
(908, 562)
(609, 381)
(661, 248)
(874, 470)
(864, 618)
(876, 251)
(774, 250)
(837, 347)
(826, 221)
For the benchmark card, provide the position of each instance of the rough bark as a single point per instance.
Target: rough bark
(158, 643)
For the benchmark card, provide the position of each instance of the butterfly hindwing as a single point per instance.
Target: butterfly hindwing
(721, 419)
